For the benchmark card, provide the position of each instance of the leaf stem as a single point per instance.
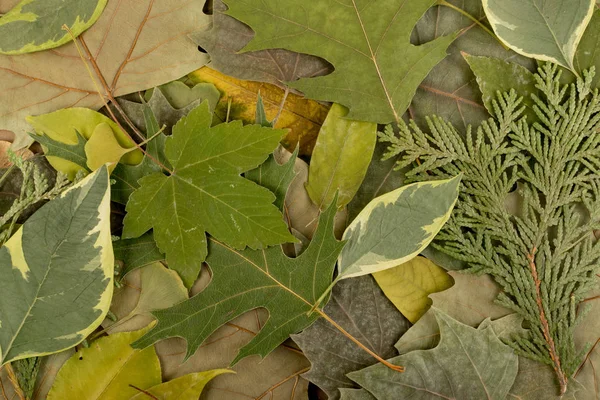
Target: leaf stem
(391, 366)
(322, 298)
(472, 18)
(145, 392)
(110, 97)
(285, 96)
(562, 379)
(13, 379)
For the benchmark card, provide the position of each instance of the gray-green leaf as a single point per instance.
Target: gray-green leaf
(468, 363)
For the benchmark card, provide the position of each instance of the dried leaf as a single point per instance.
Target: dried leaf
(302, 117)
(129, 42)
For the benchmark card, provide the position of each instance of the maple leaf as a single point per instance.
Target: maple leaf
(228, 36)
(248, 279)
(205, 193)
(135, 45)
(377, 69)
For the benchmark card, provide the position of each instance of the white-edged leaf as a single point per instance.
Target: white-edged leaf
(547, 30)
(397, 226)
(57, 273)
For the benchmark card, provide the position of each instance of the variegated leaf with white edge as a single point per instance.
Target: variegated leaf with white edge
(548, 30)
(36, 25)
(57, 273)
(397, 226)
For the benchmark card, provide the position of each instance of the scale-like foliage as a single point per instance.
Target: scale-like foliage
(543, 254)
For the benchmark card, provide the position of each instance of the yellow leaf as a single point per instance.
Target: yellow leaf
(103, 147)
(187, 387)
(409, 285)
(301, 116)
(107, 369)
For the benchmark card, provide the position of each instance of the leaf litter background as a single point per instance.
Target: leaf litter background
(449, 90)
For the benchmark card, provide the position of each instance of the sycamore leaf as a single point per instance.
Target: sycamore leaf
(188, 387)
(107, 369)
(207, 163)
(136, 253)
(495, 75)
(468, 363)
(547, 30)
(369, 40)
(360, 307)
(340, 159)
(130, 43)
(302, 117)
(397, 226)
(228, 36)
(450, 90)
(408, 285)
(470, 301)
(35, 25)
(274, 176)
(57, 273)
(248, 279)
(67, 125)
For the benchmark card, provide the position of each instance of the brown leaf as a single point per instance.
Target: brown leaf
(228, 36)
(137, 44)
(302, 117)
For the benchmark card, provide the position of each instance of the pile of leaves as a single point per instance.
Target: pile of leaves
(230, 199)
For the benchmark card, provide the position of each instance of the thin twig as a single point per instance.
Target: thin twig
(562, 379)
(13, 379)
(111, 98)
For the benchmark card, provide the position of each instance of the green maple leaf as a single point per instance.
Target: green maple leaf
(205, 193)
(248, 279)
(377, 69)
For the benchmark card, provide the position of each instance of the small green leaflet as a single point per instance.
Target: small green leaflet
(127, 176)
(548, 30)
(57, 273)
(341, 158)
(205, 193)
(377, 69)
(35, 25)
(74, 153)
(468, 363)
(397, 226)
(248, 279)
(274, 176)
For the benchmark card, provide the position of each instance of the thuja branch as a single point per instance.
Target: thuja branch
(543, 254)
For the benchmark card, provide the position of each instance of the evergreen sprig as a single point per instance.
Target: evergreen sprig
(544, 254)
(35, 187)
